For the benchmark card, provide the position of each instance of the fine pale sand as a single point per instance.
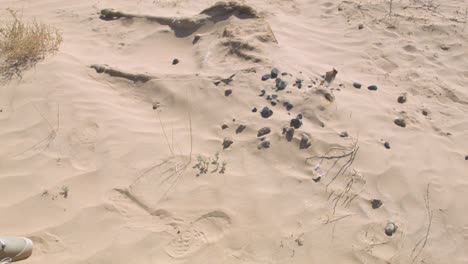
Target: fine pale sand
(97, 164)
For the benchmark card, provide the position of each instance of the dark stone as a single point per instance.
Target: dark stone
(305, 142)
(263, 131)
(425, 112)
(298, 83)
(299, 116)
(266, 112)
(227, 142)
(196, 38)
(400, 122)
(288, 105)
(357, 85)
(175, 61)
(284, 73)
(240, 128)
(402, 99)
(254, 110)
(373, 87)
(344, 134)
(376, 203)
(273, 103)
(317, 179)
(274, 73)
(264, 145)
(296, 123)
(361, 26)
(466, 157)
(387, 145)
(266, 77)
(330, 97)
(391, 229)
(274, 96)
(268, 97)
(224, 126)
(281, 85)
(289, 132)
(228, 92)
(262, 93)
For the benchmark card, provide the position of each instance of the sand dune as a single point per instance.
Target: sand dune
(112, 153)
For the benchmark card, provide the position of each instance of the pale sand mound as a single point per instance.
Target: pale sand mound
(108, 150)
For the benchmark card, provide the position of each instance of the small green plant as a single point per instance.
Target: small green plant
(204, 163)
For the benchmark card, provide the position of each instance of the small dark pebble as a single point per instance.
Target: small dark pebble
(376, 203)
(274, 73)
(296, 123)
(317, 179)
(391, 229)
(266, 112)
(224, 126)
(155, 106)
(299, 116)
(329, 97)
(264, 145)
(274, 96)
(273, 103)
(196, 38)
(254, 110)
(263, 131)
(357, 85)
(284, 73)
(425, 112)
(466, 157)
(175, 61)
(400, 122)
(288, 105)
(305, 142)
(402, 99)
(240, 129)
(227, 142)
(262, 93)
(361, 26)
(228, 92)
(266, 77)
(344, 134)
(373, 87)
(298, 83)
(281, 85)
(268, 97)
(289, 132)
(387, 145)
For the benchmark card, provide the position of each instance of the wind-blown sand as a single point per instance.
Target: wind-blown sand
(93, 174)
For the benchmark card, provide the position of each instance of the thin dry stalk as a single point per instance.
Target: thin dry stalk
(422, 243)
(348, 154)
(50, 137)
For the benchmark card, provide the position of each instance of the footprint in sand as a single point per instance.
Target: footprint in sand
(138, 214)
(207, 229)
(82, 143)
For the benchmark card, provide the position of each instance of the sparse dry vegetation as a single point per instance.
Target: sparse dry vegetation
(23, 44)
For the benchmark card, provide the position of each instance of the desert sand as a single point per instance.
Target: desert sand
(99, 164)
